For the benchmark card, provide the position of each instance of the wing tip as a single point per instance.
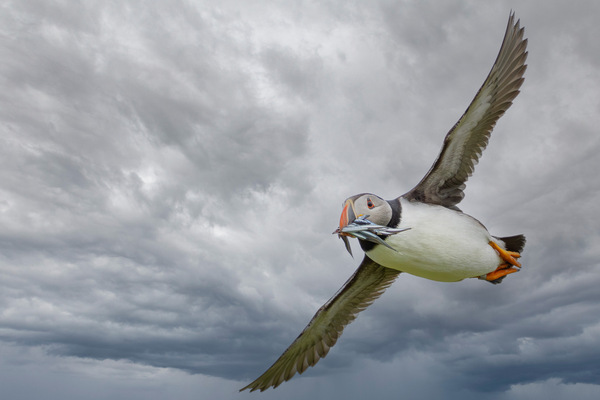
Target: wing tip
(367, 284)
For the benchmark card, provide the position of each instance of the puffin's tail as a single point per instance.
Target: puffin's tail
(511, 243)
(514, 243)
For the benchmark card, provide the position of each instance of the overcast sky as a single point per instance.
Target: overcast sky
(171, 173)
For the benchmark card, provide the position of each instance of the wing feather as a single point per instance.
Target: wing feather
(367, 283)
(463, 145)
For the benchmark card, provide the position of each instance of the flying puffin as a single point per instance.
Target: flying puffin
(421, 232)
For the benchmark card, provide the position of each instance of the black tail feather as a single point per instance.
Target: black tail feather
(514, 243)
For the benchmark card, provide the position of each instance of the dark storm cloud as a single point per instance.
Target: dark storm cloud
(108, 143)
(171, 172)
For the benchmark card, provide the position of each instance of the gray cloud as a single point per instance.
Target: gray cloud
(170, 175)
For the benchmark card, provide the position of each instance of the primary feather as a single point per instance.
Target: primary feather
(444, 183)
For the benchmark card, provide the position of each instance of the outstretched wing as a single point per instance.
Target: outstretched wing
(463, 145)
(367, 283)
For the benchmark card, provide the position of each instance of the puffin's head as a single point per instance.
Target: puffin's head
(373, 207)
(369, 206)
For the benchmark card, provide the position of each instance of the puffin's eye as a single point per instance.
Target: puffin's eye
(370, 203)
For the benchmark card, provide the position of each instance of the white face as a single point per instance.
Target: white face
(368, 206)
(377, 209)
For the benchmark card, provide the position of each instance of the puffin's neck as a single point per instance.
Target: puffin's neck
(394, 222)
(396, 213)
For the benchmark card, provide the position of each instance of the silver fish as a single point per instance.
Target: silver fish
(362, 228)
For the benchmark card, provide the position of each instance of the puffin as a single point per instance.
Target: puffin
(421, 232)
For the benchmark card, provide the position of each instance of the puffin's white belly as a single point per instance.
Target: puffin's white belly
(442, 245)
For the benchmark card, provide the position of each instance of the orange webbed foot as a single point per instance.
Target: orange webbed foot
(497, 275)
(508, 256)
(509, 265)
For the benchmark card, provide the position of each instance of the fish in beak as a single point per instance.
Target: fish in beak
(361, 228)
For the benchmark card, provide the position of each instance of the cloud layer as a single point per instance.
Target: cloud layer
(171, 172)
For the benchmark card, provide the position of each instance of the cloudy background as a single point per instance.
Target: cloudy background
(171, 173)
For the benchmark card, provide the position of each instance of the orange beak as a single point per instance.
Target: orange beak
(347, 217)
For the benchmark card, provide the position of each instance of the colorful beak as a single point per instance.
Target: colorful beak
(348, 216)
